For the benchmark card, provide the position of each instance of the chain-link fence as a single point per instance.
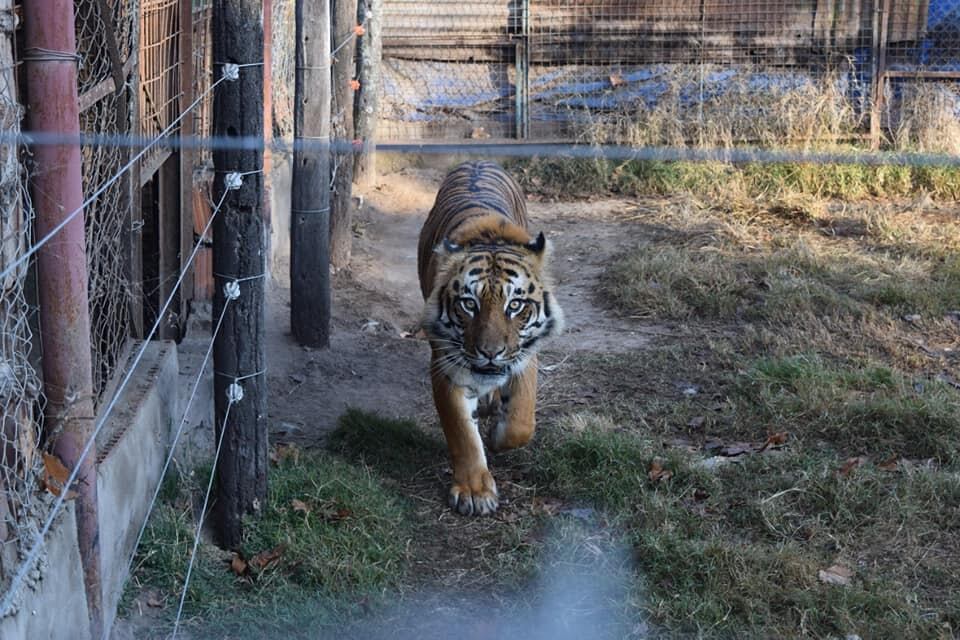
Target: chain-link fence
(20, 393)
(105, 44)
(685, 72)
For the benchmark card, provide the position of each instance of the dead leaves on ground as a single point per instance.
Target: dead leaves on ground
(259, 563)
(657, 472)
(327, 510)
(892, 464)
(720, 449)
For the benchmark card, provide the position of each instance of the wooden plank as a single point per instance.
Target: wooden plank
(203, 266)
(186, 153)
(150, 164)
(113, 51)
(134, 265)
(105, 87)
(921, 74)
(168, 212)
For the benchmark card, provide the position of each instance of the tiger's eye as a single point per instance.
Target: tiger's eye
(515, 306)
(468, 304)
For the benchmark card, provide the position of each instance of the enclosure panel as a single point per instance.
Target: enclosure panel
(451, 19)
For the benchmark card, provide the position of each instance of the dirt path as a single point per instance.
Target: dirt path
(377, 300)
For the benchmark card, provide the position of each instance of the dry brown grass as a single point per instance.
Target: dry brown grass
(927, 119)
(752, 106)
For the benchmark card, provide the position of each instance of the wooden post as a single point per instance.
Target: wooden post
(881, 29)
(367, 106)
(185, 155)
(310, 197)
(344, 42)
(522, 63)
(171, 257)
(239, 255)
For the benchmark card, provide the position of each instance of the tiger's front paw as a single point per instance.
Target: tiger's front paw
(474, 493)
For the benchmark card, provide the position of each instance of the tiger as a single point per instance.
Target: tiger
(489, 305)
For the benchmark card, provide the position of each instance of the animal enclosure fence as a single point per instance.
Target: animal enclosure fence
(691, 72)
(106, 40)
(134, 82)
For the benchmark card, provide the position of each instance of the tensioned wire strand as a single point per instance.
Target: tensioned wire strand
(7, 602)
(176, 438)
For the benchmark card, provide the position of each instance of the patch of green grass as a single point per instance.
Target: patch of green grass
(396, 448)
(576, 177)
(338, 534)
(562, 177)
(738, 550)
(870, 410)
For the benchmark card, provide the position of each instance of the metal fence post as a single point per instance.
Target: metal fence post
(53, 105)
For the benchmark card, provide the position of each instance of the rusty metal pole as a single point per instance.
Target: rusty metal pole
(57, 189)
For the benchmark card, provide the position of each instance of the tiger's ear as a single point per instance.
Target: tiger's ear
(447, 247)
(538, 244)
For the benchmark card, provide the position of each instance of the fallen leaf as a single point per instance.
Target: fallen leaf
(154, 600)
(657, 473)
(850, 465)
(332, 512)
(776, 440)
(300, 506)
(265, 559)
(836, 574)
(238, 564)
(616, 80)
(890, 464)
(697, 422)
(55, 476)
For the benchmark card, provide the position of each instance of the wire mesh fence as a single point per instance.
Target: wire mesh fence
(105, 44)
(20, 391)
(688, 73)
(202, 73)
(159, 65)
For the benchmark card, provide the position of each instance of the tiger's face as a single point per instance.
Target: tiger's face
(490, 310)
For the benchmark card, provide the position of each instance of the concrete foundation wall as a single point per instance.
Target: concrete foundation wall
(53, 603)
(132, 447)
(132, 452)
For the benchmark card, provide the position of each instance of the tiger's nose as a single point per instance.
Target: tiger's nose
(489, 354)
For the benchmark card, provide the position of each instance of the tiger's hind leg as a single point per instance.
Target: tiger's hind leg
(518, 403)
(474, 491)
